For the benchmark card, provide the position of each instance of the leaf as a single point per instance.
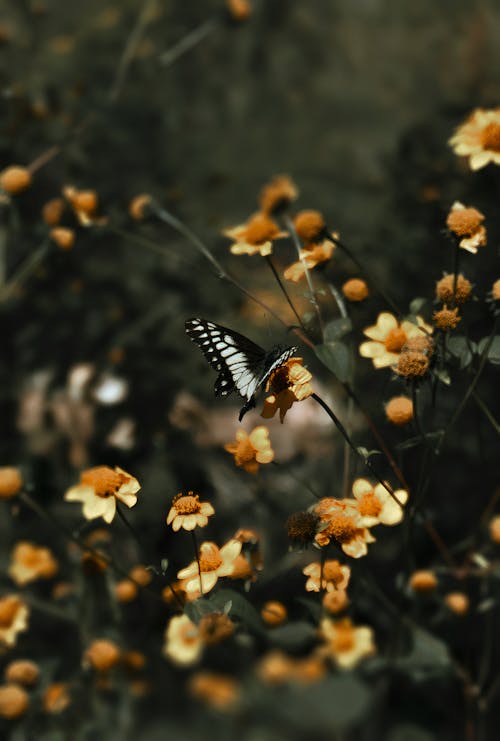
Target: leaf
(442, 375)
(335, 356)
(366, 454)
(428, 656)
(417, 304)
(493, 352)
(412, 442)
(294, 636)
(240, 609)
(337, 329)
(459, 348)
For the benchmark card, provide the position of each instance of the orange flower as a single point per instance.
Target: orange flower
(355, 289)
(30, 563)
(274, 613)
(254, 237)
(214, 562)
(15, 179)
(387, 338)
(183, 642)
(14, 701)
(345, 643)
(84, 204)
(14, 615)
(335, 601)
(288, 383)
(277, 195)
(376, 506)
(102, 655)
(310, 255)
(399, 410)
(11, 482)
(448, 292)
(276, 667)
(188, 512)
(217, 690)
(335, 576)
(310, 226)
(56, 698)
(466, 224)
(22, 671)
(99, 488)
(478, 138)
(341, 522)
(251, 450)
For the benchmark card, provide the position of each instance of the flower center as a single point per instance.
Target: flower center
(395, 340)
(344, 639)
(104, 481)
(260, 229)
(8, 609)
(490, 138)
(342, 528)
(188, 505)
(245, 452)
(464, 221)
(332, 572)
(210, 559)
(189, 634)
(369, 505)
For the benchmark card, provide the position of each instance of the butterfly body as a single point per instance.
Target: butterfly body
(242, 365)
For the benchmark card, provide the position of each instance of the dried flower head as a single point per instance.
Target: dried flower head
(251, 450)
(255, 236)
(446, 319)
(422, 344)
(139, 206)
(102, 655)
(457, 602)
(478, 138)
(345, 643)
(29, 562)
(355, 289)
(333, 576)
(494, 529)
(11, 482)
(14, 701)
(375, 504)
(277, 195)
(301, 528)
(14, 615)
(341, 522)
(388, 337)
(399, 410)
(423, 581)
(15, 179)
(63, 237)
(22, 671)
(289, 383)
(448, 293)
(183, 642)
(100, 488)
(412, 365)
(310, 255)
(56, 698)
(215, 628)
(274, 613)
(466, 224)
(336, 601)
(216, 690)
(52, 211)
(213, 563)
(310, 226)
(188, 512)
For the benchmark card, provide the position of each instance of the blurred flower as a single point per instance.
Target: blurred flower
(466, 223)
(336, 601)
(274, 613)
(239, 10)
(63, 237)
(301, 528)
(125, 591)
(448, 293)
(494, 529)
(14, 179)
(102, 655)
(29, 562)
(310, 226)
(495, 290)
(335, 576)
(110, 390)
(345, 643)
(188, 512)
(243, 569)
(56, 698)
(355, 289)
(99, 489)
(341, 522)
(278, 194)
(84, 204)
(399, 410)
(423, 581)
(457, 602)
(52, 211)
(387, 338)
(140, 575)
(122, 436)
(218, 691)
(478, 138)
(14, 701)
(288, 383)
(255, 237)
(251, 450)
(276, 668)
(311, 254)
(215, 628)
(214, 562)
(139, 206)
(22, 671)
(14, 615)
(250, 542)
(11, 482)
(446, 319)
(183, 642)
(376, 506)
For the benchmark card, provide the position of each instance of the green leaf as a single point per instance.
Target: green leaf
(493, 352)
(241, 609)
(294, 636)
(459, 348)
(442, 375)
(428, 657)
(417, 304)
(335, 356)
(337, 329)
(366, 454)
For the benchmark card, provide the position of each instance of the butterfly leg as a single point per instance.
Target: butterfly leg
(246, 407)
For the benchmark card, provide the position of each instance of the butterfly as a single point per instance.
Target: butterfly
(242, 365)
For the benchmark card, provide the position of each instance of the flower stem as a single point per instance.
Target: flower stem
(284, 291)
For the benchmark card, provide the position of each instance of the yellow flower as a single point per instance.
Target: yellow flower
(311, 254)
(387, 338)
(98, 490)
(478, 138)
(335, 576)
(183, 642)
(345, 643)
(288, 383)
(340, 521)
(214, 562)
(14, 615)
(254, 237)
(251, 450)
(188, 512)
(30, 563)
(376, 506)
(466, 223)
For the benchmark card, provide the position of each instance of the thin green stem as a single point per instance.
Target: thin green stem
(284, 291)
(188, 42)
(314, 299)
(24, 271)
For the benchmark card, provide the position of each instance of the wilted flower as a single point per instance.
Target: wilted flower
(188, 512)
(99, 489)
(14, 615)
(29, 562)
(255, 237)
(218, 691)
(213, 562)
(251, 450)
(311, 254)
(341, 522)
(346, 644)
(478, 138)
(274, 613)
(399, 410)
(14, 701)
(301, 528)
(102, 655)
(288, 383)
(448, 292)
(466, 224)
(375, 504)
(278, 194)
(387, 338)
(446, 319)
(333, 576)
(183, 642)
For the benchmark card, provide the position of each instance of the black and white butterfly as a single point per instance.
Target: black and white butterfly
(242, 365)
